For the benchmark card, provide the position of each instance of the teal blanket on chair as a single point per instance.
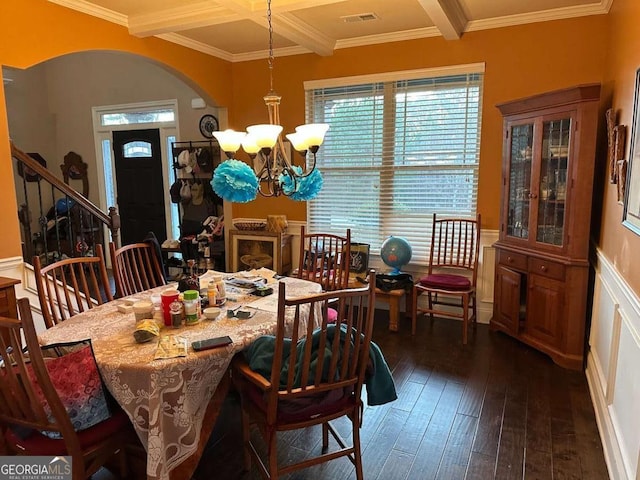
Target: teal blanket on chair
(378, 380)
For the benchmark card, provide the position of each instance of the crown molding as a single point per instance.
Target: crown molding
(195, 45)
(388, 37)
(600, 8)
(94, 10)
(262, 54)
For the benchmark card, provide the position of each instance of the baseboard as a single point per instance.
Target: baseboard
(610, 446)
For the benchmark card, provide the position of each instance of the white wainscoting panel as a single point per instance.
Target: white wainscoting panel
(601, 342)
(16, 268)
(613, 370)
(625, 406)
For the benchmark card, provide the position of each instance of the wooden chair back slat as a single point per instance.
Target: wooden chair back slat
(454, 243)
(453, 272)
(26, 388)
(71, 286)
(325, 259)
(17, 398)
(355, 315)
(136, 268)
(20, 403)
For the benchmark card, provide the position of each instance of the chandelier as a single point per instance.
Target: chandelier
(274, 172)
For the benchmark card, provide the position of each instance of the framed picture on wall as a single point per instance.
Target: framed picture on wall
(631, 214)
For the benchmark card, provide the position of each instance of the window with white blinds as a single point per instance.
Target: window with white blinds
(397, 151)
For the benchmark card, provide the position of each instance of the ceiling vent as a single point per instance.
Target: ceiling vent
(360, 17)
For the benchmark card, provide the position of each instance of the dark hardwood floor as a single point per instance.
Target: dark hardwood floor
(492, 409)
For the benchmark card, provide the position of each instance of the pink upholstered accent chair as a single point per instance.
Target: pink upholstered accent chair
(453, 265)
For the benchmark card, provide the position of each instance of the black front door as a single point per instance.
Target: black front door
(140, 191)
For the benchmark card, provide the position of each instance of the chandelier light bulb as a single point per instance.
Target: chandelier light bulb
(313, 133)
(229, 140)
(266, 135)
(298, 141)
(249, 145)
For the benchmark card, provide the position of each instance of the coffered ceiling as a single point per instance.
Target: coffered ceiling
(236, 30)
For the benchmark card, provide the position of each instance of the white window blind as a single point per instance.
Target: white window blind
(396, 152)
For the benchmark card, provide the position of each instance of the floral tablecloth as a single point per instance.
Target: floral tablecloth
(165, 399)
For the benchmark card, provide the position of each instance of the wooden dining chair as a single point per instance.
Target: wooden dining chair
(310, 382)
(325, 259)
(453, 272)
(71, 286)
(136, 268)
(30, 405)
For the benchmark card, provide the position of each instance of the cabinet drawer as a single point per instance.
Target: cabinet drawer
(546, 268)
(514, 260)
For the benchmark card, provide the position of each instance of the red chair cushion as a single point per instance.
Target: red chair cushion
(446, 281)
(35, 443)
(304, 408)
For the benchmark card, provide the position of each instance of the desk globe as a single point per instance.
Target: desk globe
(395, 252)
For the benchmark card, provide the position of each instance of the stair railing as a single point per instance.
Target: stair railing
(68, 222)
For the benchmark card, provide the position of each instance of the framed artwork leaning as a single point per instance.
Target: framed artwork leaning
(254, 249)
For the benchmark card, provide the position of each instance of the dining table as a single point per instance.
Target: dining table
(173, 402)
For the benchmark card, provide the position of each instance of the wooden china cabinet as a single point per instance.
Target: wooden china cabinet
(542, 266)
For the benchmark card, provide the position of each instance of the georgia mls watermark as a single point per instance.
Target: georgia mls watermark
(35, 468)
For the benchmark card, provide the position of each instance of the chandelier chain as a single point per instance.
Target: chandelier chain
(270, 46)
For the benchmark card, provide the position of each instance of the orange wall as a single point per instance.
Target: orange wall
(616, 241)
(32, 31)
(520, 61)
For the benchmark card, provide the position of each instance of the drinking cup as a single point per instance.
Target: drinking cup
(168, 296)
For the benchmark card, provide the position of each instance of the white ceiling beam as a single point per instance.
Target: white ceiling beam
(303, 34)
(285, 23)
(260, 6)
(448, 17)
(177, 19)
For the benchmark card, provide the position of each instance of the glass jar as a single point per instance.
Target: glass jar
(175, 309)
(191, 303)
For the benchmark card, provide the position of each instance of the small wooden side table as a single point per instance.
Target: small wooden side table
(392, 298)
(8, 304)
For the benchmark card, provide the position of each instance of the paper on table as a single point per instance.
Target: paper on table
(207, 276)
(268, 304)
(261, 272)
(171, 346)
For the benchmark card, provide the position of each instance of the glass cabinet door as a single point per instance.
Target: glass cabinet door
(552, 189)
(520, 180)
